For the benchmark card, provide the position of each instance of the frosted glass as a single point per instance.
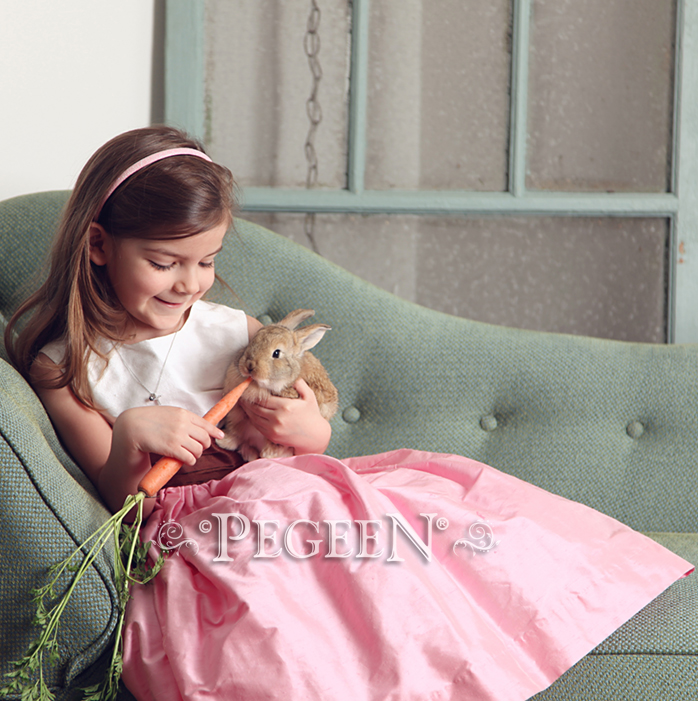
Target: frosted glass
(588, 276)
(601, 92)
(257, 83)
(438, 95)
(585, 276)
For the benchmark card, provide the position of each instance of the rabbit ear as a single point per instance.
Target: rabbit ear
(291, 320)
(309, 336)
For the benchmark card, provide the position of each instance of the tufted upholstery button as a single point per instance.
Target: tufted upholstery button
(351, 414)
(264, 319)
(635, 429)
(488, 423)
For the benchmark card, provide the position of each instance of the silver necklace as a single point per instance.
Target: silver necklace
(153, 396)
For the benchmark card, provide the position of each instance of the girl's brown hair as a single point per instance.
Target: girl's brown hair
(172, 198)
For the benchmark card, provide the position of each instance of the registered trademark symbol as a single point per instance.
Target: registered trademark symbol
(442, 523)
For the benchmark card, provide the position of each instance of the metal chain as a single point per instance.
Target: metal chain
(311, 44)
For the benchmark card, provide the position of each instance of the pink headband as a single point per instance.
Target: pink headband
(148, 160)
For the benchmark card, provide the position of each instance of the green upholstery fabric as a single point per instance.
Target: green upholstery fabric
(610, 424)
(48, 507)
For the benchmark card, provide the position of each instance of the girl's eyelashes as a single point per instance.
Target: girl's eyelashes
(157, 266)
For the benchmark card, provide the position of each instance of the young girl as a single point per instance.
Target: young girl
(398, 576)
(133, 258)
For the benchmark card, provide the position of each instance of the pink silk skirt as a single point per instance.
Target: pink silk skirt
(399, 576)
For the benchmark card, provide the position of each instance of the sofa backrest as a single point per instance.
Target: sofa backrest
(607, 423)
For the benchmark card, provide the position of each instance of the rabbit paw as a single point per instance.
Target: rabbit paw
(248, 453)
(273, 450)
(228, 442)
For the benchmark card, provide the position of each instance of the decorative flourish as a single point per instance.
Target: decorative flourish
(479, 538)
(171, 531)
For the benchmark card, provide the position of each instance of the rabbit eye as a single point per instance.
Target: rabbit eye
(276, 353)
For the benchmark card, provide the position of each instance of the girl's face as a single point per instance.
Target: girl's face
(157, 280)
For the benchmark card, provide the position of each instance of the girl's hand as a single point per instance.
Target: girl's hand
(165, 430)
(293, 422)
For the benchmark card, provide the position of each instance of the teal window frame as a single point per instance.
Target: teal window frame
(185, 107)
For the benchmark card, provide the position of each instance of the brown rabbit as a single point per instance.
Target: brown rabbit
(275, 358)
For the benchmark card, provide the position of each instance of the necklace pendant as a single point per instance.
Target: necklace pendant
(152, 396)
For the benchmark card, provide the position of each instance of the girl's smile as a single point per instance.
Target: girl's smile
(172, 305)
(157, 280)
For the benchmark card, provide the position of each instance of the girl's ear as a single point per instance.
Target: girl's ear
(100, 244)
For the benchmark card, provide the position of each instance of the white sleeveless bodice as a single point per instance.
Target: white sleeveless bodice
(192, 361)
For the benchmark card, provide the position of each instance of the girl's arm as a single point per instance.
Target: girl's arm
(116, 458)
(293, 422)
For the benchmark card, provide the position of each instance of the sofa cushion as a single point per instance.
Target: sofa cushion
(627, 678)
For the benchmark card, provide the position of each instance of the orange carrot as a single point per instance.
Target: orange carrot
(219, 410)
(166, 468)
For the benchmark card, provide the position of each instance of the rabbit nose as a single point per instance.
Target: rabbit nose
(246, 366)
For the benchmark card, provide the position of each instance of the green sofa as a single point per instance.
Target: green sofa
(610, 424)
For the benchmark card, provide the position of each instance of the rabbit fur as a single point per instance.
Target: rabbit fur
(275, 358)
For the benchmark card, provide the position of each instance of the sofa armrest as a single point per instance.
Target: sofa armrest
(47, 507)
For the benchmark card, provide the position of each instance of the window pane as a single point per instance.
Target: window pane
(586, 276)
(438, 96)
(601, 92)
(604, 277)
(258, 81)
